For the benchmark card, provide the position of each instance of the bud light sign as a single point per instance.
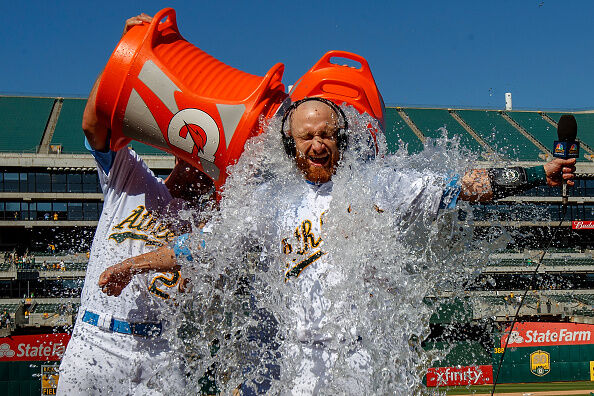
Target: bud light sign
(582, 225)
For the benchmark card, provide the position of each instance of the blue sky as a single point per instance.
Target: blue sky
(431, 53)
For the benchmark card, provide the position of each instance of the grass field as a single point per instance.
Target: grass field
(586, 386)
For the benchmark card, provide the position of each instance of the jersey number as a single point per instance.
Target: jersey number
(163, 280)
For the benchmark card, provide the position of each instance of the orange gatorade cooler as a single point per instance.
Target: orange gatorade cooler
(342, 84)
(161, 90)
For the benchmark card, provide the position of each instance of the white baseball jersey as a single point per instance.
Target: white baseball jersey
(128, 227)
(97, 360)
(300, 238)
(312, 270)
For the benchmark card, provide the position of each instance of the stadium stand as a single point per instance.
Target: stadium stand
(10, 308)
(23, 122)
(50, 203)
(434, 122)
(536, 125)
(459, 354)
(586, 123)
(554, 116)
(397, 129)
(68, 129)
(50, 308)
(500, 135)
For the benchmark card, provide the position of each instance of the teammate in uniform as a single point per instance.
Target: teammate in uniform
(315, 136)
(116, 346)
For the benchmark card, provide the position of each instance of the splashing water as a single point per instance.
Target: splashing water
(244, 318)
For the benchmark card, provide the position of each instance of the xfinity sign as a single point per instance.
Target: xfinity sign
(463, 375)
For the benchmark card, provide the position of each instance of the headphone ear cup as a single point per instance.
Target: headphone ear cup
(289, 144)
(343, 140)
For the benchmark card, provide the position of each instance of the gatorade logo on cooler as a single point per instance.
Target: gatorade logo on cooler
(195, 131)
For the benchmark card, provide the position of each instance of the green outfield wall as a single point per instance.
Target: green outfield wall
(28, 378)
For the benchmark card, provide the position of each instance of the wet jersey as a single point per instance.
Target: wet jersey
(128, 226)
(301, 242)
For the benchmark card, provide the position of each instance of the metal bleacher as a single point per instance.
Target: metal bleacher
(524, 136)
(23, 121)
(68, 131)
(397, 129)
(433, 122)
(527, 262)
(500, 134)
(586, 123)
(9, 308)
(49, 308)
(535, 124)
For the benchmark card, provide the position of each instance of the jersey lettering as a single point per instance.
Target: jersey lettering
(306, 244)
(141, 225)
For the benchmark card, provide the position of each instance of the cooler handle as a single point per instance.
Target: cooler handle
(325, 61)
(157, 27)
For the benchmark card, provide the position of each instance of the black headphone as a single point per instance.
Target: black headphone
(341, 137)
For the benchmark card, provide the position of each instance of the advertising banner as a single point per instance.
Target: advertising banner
(464, 375)
(41, 347)
(531, 334)
(49, 379)
(582, 225)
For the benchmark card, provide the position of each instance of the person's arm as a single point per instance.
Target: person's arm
(115, 278)
(96, 129)
(483, 185)
(164, 259)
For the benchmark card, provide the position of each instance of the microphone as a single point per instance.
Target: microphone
(566, 147)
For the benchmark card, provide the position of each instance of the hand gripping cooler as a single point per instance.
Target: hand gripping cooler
(161, 90)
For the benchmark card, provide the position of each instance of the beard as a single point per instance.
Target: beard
(316, 174)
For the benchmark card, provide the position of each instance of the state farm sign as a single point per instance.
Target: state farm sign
(542, 333)
(582, 225)
(465, 375)
(44, 347)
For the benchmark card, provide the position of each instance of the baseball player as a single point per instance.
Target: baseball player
(315, 134)
(116, 346)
